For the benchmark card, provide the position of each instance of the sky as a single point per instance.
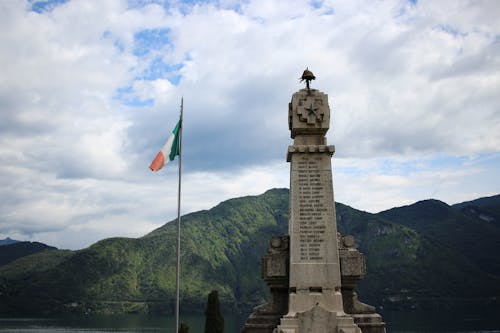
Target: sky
(91, 89)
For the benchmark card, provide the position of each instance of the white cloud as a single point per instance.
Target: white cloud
(413, 91)
(379, 184)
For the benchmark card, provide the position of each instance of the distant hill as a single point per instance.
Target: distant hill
(7, 241)
(414, 258)
(427, 255)
(468, 236)
(486, 209)
(493, 201)
(16, 250)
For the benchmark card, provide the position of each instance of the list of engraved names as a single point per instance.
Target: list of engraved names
(313, 209)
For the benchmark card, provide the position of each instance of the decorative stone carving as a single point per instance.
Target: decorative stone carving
(309, 113)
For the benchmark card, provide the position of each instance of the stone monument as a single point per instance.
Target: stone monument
(313, 271)
(315, 298)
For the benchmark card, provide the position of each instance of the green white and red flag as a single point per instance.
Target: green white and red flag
(169, 150)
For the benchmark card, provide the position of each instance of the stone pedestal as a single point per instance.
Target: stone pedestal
(275, 265)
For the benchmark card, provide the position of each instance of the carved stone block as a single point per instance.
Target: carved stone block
(309, 113)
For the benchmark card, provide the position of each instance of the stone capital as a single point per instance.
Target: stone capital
(309, 113)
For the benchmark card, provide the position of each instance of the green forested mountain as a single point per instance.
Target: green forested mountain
(414, 259)
(14, 250)
(486, 209)
(410, 266)
(468, 236)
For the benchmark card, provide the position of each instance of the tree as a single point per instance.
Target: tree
(214, 322)
(184, 328)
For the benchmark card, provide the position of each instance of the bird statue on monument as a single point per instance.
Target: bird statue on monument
(307, 76)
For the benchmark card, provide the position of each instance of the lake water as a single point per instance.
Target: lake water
(397, 322)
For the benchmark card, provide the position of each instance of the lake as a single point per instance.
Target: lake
(397, 322)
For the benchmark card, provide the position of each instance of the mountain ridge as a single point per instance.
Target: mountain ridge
(222, 247)
(15, 250)
(7, 241)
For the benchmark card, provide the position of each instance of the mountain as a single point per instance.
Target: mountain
(221, 250)
(486, 209)
(410, 263)
(16, 250)
(7, 241)
(467, 235)
(410, 266)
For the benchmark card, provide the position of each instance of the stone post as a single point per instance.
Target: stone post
(352, 270)
(315, 299)
(274, 270)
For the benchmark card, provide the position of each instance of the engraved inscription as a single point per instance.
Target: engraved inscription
(312, 210)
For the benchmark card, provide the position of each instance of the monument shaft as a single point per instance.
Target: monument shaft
(314, 260)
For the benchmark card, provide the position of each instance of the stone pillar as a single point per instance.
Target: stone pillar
(315, 283)
(274, 270)
(352, 270)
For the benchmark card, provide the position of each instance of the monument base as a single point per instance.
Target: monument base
(265, 318)
(304, 300)
(262, 320)
(317, 320)
(369, 322)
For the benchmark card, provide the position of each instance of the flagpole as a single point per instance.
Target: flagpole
(179, 225)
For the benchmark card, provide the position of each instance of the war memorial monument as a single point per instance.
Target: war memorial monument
(312, 272)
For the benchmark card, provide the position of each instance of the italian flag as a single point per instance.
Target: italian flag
(169, 150)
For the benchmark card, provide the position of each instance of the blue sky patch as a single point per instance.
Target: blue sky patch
(159, 69)
(451, 30)
(187, 5)
(119, 45)
(126, 96)
(329, 11)
(45, 6)
(316, 3)
(319, 4)
(149, 40)
(143, 3)
(197, 2)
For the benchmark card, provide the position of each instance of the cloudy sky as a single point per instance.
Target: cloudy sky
(89, 91)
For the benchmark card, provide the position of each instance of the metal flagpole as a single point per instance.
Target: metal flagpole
(179, 225)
